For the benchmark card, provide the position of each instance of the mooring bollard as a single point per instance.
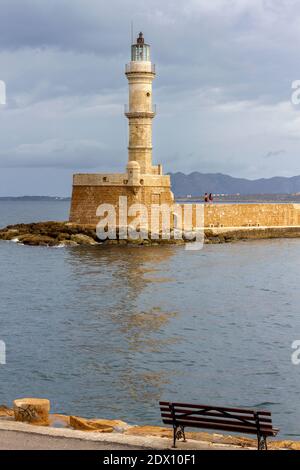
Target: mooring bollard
(32, 410)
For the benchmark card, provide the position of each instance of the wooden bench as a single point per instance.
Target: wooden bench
(244, 421)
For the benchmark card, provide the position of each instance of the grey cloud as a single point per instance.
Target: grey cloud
(225, 69)
(274, 153)
(242, 45)
(75, 154)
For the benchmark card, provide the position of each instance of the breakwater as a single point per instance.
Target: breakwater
(68, 234)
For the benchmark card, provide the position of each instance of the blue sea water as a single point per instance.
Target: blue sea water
(109, 331)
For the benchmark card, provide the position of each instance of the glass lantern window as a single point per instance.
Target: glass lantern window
(140, 52)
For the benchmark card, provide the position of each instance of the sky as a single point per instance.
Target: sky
(223, 89)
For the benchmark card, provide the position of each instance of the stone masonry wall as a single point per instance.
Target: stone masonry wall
(243, 215)
(86, 199)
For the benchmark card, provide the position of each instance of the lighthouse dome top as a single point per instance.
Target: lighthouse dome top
(140, 51)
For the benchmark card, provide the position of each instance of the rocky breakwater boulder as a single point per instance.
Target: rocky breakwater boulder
(32, 410)
(81, 239)
(226, 235)
(50, 234)
(69, 234)
(6, 412)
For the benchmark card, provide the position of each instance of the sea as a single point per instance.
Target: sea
(107, 332)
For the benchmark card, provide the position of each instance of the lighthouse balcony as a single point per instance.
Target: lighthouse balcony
(138, 67)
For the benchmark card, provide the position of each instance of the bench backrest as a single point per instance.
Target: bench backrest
(214, 417)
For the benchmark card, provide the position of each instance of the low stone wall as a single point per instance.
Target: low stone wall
(245, 215)
(251, 215)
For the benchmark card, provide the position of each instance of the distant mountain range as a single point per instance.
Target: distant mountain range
(196, 184)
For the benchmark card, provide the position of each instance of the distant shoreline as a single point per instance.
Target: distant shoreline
(34, 198)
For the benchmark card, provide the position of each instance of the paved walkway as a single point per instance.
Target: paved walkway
(21, 436)
(16, 440)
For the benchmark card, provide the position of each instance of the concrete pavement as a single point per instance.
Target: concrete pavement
(16, 440)
(21, 436)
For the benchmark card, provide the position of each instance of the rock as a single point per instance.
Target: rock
(67, 243)
(295, 445)
(83, 424)
(90, 233)
(63, 236)
(210, 438)
(179, 242)
(83, 239)
(57, 233)
(196, 436)
(5, 411)
(9, 234)
(112, 242)
(133, 241)
(32, 410)
(122, 242)
(292, 445)
(35, 240)
(50, 234)
(116, 424)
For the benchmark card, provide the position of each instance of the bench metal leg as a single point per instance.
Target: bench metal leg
(182, 433)
(178, 433)
(262, 442)
(174, 436)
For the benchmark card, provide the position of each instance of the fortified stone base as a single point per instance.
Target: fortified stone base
(90, 191)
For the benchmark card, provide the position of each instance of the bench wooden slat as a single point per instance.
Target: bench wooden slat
(234, 410)
(239, 428)
(191, 420)
(165, 412)
(212, 417)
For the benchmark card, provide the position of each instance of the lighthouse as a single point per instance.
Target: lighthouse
(140, 111)
(142, 182)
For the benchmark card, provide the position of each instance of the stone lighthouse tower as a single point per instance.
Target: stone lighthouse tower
(142, 182)
(140, 73)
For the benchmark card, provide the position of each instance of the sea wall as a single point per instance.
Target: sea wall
(117, 431)
(69, 234)
(86, 199)
(250, 215)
